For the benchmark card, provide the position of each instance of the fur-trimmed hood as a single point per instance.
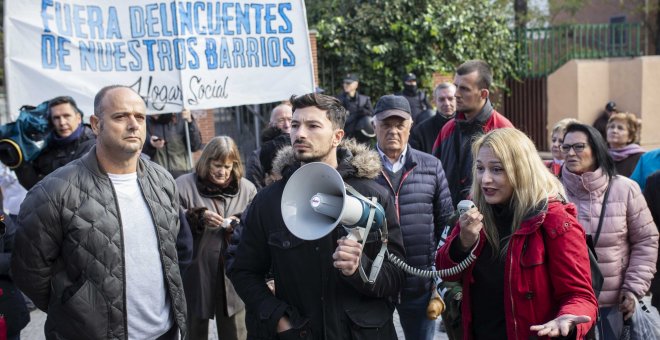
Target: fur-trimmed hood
(355, 159)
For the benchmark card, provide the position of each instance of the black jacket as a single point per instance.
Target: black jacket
(359, 110)
(54, 156)
(419, 102)
(423, 135)
(320, 302)
(424, 206)
(12, 304)
(174, 155)
(69, 249)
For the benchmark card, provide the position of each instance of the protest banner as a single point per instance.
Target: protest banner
(175, 54)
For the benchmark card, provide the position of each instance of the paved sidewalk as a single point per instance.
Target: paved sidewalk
(35, 329)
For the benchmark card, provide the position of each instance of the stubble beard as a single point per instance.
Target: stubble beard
(310, 158)
(127, 149)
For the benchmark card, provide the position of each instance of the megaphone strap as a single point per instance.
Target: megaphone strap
(355, 193)
(378, 261)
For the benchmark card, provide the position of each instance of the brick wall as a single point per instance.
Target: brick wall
(312, 44)
(205, 122)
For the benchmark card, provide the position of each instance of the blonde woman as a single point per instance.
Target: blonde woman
(531, 277)
(623, 135)
(214, 196)
(557, 139)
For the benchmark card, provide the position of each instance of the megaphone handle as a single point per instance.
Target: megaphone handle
(353, 234)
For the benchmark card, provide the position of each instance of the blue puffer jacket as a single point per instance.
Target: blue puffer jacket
(423, 205)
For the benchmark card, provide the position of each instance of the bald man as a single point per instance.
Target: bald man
(95, 247)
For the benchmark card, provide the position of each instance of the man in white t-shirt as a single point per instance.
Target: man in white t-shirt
(95, 247)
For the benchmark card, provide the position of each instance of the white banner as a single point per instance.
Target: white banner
(175, 54)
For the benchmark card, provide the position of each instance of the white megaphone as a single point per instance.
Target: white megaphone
(315, 201)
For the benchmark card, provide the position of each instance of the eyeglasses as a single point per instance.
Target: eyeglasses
(578, 147)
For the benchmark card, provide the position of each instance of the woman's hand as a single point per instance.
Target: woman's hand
(562, 325)
(627, 304)
(212, 220)
(230, 226)
(470, 224)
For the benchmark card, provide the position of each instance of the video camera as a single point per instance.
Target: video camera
(22, 140)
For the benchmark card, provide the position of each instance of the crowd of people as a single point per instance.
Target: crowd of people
(122, 236)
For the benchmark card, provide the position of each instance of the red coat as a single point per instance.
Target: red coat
(554, 167)
(546, 273)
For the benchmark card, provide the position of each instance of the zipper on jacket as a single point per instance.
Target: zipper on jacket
(513, 306)
(403, 178)
(396, 192)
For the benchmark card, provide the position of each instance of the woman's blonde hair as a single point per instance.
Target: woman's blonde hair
(633, 124)
(220, 148)
(561, 125)
(532, 183)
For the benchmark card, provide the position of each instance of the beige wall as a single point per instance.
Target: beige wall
(581, 88)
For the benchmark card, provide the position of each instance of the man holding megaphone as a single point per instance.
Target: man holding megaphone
(319, 291)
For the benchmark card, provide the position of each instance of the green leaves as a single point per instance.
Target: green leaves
(384, 39)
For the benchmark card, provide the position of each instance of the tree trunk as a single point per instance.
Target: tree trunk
(520, 8)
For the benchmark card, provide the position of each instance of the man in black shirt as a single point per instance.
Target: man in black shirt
(358, 124)
(424, 133)
(420, 107)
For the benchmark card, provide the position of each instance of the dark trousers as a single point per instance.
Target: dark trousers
(172, 334)
(230, 328)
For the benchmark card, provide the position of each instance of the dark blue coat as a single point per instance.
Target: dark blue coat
(423, 205)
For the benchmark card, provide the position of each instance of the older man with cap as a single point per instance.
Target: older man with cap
(423, 202)
(358, 123)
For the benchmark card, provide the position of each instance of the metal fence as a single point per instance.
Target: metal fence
(243, 124)
(543, 50)
(526, 106)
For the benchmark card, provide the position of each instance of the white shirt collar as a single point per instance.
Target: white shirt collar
(396, 166)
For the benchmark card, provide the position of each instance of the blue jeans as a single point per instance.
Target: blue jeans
(412, 313)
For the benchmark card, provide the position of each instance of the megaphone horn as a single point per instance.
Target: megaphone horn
(315, 201)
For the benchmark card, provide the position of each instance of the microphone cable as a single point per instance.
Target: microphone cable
(434, 273)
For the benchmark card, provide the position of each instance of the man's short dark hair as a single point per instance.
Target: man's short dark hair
(335, 112)
(98, 99)
(63, 100)
(485, 75)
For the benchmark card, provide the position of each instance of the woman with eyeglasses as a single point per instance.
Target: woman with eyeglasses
(531, 278)
(627, 239)
(623, 134)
